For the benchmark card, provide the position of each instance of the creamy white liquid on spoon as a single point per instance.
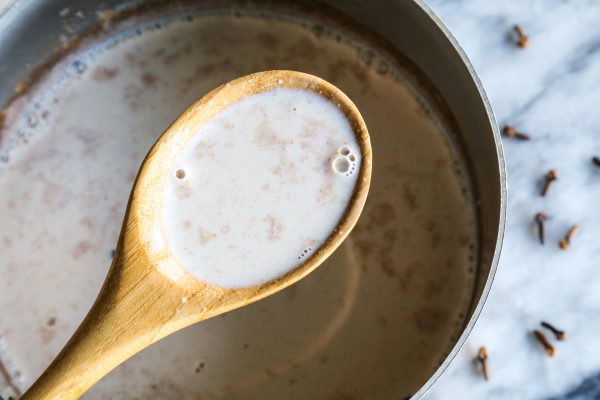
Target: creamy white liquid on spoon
(260, 187)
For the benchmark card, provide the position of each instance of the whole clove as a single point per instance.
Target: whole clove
(550, 177)
(558, 334)
(511, 132)
(522, 38)
(548, 348)
(482, 357)
(565, 243)
(540, 219)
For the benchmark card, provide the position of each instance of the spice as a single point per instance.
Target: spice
(540, 219)
(482, 357)
(199, 367)
(558, 334)
(548, 348)
(550, 177)
(566, 242)
(511, 132)
(522, 39)
(596, 161)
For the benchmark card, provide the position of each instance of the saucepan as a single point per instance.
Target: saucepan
(343, 339)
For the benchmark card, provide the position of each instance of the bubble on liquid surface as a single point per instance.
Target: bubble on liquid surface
(344, 162)
(79, 66)
(180, 174)
(341, 165)
(343, 151)
(304, 253)
(32, 120)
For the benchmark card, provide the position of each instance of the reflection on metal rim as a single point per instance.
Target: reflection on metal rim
(503, 198)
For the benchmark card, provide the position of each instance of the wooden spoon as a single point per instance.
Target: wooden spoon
(147, 294)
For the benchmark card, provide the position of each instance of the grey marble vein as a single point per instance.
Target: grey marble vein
(588, 389)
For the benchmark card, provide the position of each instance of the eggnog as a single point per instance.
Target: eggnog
(373, 322)
(260, 187)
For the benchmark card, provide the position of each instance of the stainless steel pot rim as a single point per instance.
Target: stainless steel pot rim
(10, 11)
(503, 200)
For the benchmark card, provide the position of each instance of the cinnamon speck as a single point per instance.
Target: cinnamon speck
(47, 333)
(199, 367)
(149, 79)
(81, 249)
(275, 228)
(101, 73)
(271, 373)
(183, 191)
(268, 40)
(205, 236)
(383, 321)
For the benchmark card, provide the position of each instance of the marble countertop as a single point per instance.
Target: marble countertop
(551, 90)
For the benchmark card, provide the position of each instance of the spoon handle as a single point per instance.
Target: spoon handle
(134, 309)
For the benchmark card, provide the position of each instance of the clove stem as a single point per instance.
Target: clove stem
(558, 334)
(548, 348)
(482, 357)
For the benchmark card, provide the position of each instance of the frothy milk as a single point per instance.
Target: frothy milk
(260, 187)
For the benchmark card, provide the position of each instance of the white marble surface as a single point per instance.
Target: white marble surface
(552, 91)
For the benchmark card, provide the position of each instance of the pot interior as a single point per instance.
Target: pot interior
(375, 321)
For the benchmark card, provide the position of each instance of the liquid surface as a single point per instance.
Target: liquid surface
(260, 187)
(373, 322)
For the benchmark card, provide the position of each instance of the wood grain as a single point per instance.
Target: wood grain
(147, 295)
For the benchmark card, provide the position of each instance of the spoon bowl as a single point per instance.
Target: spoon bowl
(147, 294)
